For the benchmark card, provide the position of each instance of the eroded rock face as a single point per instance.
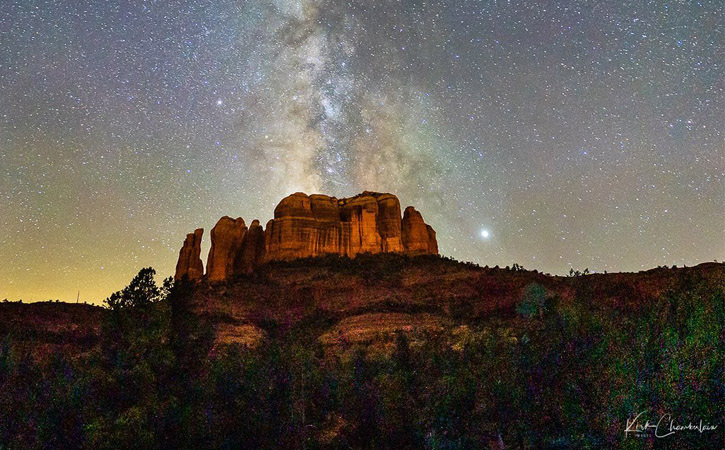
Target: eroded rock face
(189, 263)
(418, 237)
(226, 242)
(314, 225)
(432, 241)
(252, 251)
(303, 226)
(389, 224)
(359, 219)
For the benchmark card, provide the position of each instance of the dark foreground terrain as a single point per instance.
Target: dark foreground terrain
(378, 352)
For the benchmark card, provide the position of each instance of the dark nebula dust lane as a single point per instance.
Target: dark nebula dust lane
(548, 134)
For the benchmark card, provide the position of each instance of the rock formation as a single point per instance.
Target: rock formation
(226, 242)
(418, 237)
(389, 225)
(314, 225)
(303, 226)
(252, 252)
(189, 263)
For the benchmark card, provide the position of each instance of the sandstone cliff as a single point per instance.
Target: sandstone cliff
(252, 252)
(189, 263)
(303, 226)
(314, 225)
(418, 237)
(226, 242)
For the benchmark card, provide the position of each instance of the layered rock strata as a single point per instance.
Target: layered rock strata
(252, 251)
(226, 242)
(189, 264)
(314, 225)
(419, 238)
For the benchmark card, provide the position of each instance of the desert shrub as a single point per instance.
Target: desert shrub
(533, 301)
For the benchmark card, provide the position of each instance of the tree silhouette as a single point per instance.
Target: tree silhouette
(140, 292)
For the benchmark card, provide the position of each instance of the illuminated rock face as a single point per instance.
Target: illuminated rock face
(418, 237)
(314, 225)
(252, 251)
(303, 226)
(226, 242)
(189, 263)
(388, 223)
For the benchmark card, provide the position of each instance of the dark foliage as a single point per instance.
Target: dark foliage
(560, 374)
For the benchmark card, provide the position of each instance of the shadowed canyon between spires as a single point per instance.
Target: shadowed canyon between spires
(308, 226)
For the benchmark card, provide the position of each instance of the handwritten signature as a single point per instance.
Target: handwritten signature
(664, 427)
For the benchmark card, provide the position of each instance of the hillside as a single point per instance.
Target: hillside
(354, 299)
(49, 327)
(380, 351)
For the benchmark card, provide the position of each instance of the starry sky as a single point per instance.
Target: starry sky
(584, 134)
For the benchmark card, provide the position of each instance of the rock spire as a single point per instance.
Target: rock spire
(308, 226)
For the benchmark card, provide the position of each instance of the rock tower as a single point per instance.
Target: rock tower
(308, 226)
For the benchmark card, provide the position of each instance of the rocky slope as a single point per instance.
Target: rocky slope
(368, 299)
(48, 328)
(365, 300)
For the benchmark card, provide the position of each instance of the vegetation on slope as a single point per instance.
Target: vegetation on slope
(564, 364)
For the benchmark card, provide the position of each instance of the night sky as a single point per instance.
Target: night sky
(548, 134)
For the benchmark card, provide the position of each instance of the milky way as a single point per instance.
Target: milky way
(548, 134)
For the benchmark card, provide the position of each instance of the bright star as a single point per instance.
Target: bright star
(219, 102)
(485, 234)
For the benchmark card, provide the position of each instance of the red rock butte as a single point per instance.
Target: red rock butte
(308, 226)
